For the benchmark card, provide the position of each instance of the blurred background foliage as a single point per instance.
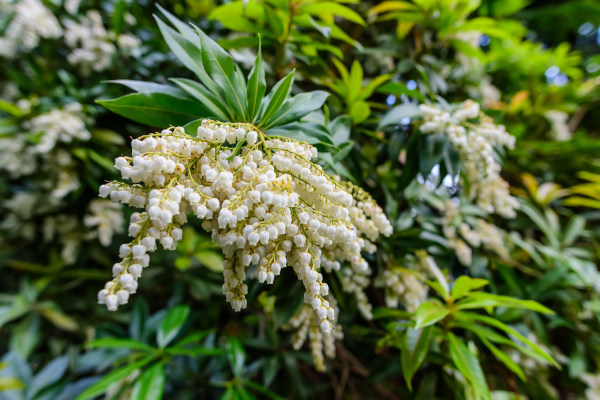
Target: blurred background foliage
(464, 331)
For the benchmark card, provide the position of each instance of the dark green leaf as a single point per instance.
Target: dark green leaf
(203, 95)
(277, 96)
(116, 376)
(256, 84)
(219, 66)
(415, 347)
(156, 109)
(118, 343)
(296, 108)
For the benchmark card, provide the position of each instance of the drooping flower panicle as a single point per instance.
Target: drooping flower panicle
(265, 202)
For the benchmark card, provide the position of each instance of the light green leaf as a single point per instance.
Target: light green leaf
(464, 284)
(172, 324)
(151, 384)
(429, 313)
(468, 365)
(482, 300)
(360, 111)
(329, 7)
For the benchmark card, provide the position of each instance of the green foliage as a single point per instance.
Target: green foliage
(520, 320)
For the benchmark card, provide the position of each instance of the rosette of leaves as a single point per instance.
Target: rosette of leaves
(223, 93)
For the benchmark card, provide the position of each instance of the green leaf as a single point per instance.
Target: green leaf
(472, 317)
(360, 111)
(118, 343)
(50, 374)
(468, 365)
(52, 313)
(116, 376)
(465, 284)
(482, 300)
(150, 87)
(396, 114)
(256, 84)
(194, 351)
(329, 7)
(151, 384)
(10, 383)
(277, 96)
(415, 346)
(203, 95)
(399, 89)
(296, 108)
(219, 66)
(236, 356)
(156, 109)
(172, 324)
(429, 313)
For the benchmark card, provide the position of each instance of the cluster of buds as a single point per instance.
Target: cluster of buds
(474, 136)
(465, 234)
(264, 201)
(305, 326)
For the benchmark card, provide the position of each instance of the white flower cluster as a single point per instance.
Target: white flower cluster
(559, 125)
(30, 20)
(473, 234)
(474, 136)
(265, 203)
(405, 285)
(91, 43)
(60, 125)
(105, 218)
(305, 325)
(38, 174)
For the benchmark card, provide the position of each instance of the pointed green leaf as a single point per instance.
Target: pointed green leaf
(219, 110)
(296, 108)
(172, 324)
(329, 7)
(415, 347)
(464, 284)
(151, 384)
(256, 84)
(156, 109)
(119, 343)
(277, 96)
(468, 365)
(506, 360)
(219, 65)
(188, 53)
(116, 376)
(429, 313)
(150, 87)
